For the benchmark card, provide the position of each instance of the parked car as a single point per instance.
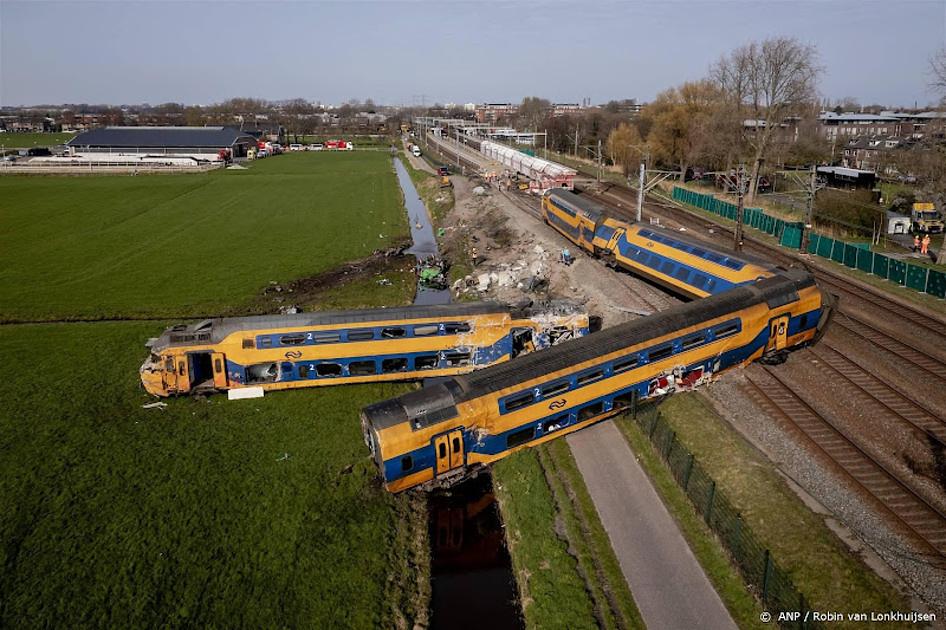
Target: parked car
(295, 147)
(262, 153)
(443, 171)
(318, 146)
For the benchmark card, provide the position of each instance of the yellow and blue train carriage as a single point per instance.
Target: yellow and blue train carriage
(685, 265)
(438, 434)
(315, 349)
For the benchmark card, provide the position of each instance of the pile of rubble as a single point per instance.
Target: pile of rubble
(523, 276)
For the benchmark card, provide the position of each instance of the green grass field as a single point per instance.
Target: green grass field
(122, 246)
(209, 513)
(28, 140)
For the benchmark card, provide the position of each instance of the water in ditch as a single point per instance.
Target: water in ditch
(471, 572)
(472, 582)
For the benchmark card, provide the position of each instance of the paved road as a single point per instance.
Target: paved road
(669, 586)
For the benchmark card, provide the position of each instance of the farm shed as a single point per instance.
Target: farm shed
(189, 141)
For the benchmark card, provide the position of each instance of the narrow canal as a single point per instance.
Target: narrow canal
(472, 583)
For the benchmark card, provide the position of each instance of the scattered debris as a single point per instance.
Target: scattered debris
(155, 405)
(479, 191)
(236, 167)
(283, 457)
(384, 282)
(243, 393)
(289, 310)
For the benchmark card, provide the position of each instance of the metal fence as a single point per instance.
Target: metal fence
(853, 255)
(766, 580)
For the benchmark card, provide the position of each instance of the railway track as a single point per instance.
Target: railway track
(922, 520)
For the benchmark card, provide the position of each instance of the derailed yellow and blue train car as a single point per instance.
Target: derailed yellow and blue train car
(683, 264)
(316, 349)
(437, 435)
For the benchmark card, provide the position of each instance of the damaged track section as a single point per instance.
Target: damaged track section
(274, 352)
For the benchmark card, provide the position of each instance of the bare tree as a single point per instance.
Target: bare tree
(624, 146)
(765, 82)
(938, 136)
(938, 72)
(680, 123)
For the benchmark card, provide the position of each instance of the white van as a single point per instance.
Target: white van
(416, 151)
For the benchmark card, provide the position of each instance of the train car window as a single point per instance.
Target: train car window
(725, 330)
(407, 462)
(589, 377)
(590, 411)
(360, 335)
(691, 342)
(426, 362)
(698, 281)
(803, 322)
(682, 273)
(520, 437)
(248, 344)
(326, 337)
(169, 364)
(519, 401)
(555, 423)
(660, 353)
(261, 373)
(696, 251)
(554, 389)
(393, 333)
(303, 371)
(666, 267)
(218, 366)
(328, 369)
(398, 364)
(622, 365)
(457, 358)
(265, 342)
(361, 368)
(292, 340)
(457, 327)
(426, 330)
(711, 285)
(625, 400)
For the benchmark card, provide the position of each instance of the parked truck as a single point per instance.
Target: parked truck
(924, 219)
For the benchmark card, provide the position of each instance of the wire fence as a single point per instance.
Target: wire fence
(771, 584)
(853, 255)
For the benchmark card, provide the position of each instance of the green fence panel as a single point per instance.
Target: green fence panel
(813, 239)
(850, 255)
(791, 237)
(881, 266)
(825, 246)
(897, 271)
(936, 283)
(865, 260)
(916, 277)
(837, 252)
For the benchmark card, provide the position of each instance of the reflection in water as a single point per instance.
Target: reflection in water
(471, 572)
(422, 233)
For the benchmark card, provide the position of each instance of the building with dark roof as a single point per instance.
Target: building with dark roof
(162, 141)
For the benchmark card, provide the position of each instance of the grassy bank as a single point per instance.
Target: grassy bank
(161, 245)
(566, 571)
(208, 513)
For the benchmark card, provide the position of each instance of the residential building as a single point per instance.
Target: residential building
(491, 112)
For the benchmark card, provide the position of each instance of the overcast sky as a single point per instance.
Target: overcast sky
(402, 52)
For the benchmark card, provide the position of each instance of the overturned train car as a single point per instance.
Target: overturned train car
(315, 349)
(441, 433)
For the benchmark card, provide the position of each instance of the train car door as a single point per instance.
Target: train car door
(778, 332)
(182, 374)
(220, 370)
(448, 450)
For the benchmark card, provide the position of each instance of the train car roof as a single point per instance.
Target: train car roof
(220, 328)
(776, 291)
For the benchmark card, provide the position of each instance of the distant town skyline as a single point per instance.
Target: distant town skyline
(409, 53)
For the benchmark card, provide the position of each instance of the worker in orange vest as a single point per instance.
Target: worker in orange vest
(916, 243)
(925, 245)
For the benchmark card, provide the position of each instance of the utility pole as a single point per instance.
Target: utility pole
(576, 141)
(545, 139)
(458, 147)
(640, 195)
(599, 161)
(810, 210)
(741, 189)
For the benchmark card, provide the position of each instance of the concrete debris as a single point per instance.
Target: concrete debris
(540, 251)
(505, 279)
(155, 405)
(483, 281)
(289, 309)
(236, 167)
(479, 191)
(384, 282)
